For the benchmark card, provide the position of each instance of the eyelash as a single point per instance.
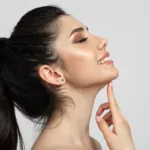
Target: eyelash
(83, 40)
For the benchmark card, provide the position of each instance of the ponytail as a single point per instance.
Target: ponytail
(9, 129)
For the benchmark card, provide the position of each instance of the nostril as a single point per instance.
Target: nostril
(102, 43)
(101, 46)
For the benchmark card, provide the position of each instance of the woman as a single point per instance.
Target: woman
(52, 67)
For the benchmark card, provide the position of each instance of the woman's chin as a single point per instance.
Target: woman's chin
(115, 73)
(109, 76)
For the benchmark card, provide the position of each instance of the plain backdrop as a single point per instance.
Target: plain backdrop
(126, 25)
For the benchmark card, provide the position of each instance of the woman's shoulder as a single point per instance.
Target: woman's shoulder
(96, 144)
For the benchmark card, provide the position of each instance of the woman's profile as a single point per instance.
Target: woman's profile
(52, 68)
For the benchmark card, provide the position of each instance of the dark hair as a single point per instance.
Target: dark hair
(31, 45)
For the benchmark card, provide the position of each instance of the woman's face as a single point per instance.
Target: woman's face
(81, 58)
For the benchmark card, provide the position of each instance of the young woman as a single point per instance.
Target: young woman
(52, 68)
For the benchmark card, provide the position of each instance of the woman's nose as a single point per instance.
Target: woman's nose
(102, 43)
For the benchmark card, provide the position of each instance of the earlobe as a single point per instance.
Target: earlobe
(55, 77)
(63, 80)
(59, 76)
(60, 81)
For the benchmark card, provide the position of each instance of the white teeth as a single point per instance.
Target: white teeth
(104, 60)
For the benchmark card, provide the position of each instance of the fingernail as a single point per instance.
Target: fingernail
(98, 118)
(111, 84)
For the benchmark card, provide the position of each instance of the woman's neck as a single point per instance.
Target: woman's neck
(73, 126)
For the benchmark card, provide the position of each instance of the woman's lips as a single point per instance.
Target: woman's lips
(109, 62)
(106, 54)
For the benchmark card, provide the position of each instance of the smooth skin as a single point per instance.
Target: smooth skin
(82, 78)
(120, 137)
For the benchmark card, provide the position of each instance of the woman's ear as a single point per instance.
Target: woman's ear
(51, 75)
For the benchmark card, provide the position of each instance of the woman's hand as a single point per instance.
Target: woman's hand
(120, 137)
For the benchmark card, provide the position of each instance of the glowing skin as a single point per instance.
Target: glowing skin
(84, 78)
(81, 58)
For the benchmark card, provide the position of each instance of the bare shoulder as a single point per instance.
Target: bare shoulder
(64, 149)
(97, 144)
(61, 148)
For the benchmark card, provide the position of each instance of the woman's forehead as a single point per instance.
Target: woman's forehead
(69, 23)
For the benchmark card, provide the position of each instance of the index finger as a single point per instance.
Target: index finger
(112, 101)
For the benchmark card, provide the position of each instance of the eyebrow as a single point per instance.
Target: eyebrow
(80, 29)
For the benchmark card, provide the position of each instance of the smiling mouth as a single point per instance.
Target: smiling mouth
(103, 60)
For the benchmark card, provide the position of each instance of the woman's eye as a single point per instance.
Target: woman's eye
(82, 40)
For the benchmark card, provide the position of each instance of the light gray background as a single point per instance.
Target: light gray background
(125, 23)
